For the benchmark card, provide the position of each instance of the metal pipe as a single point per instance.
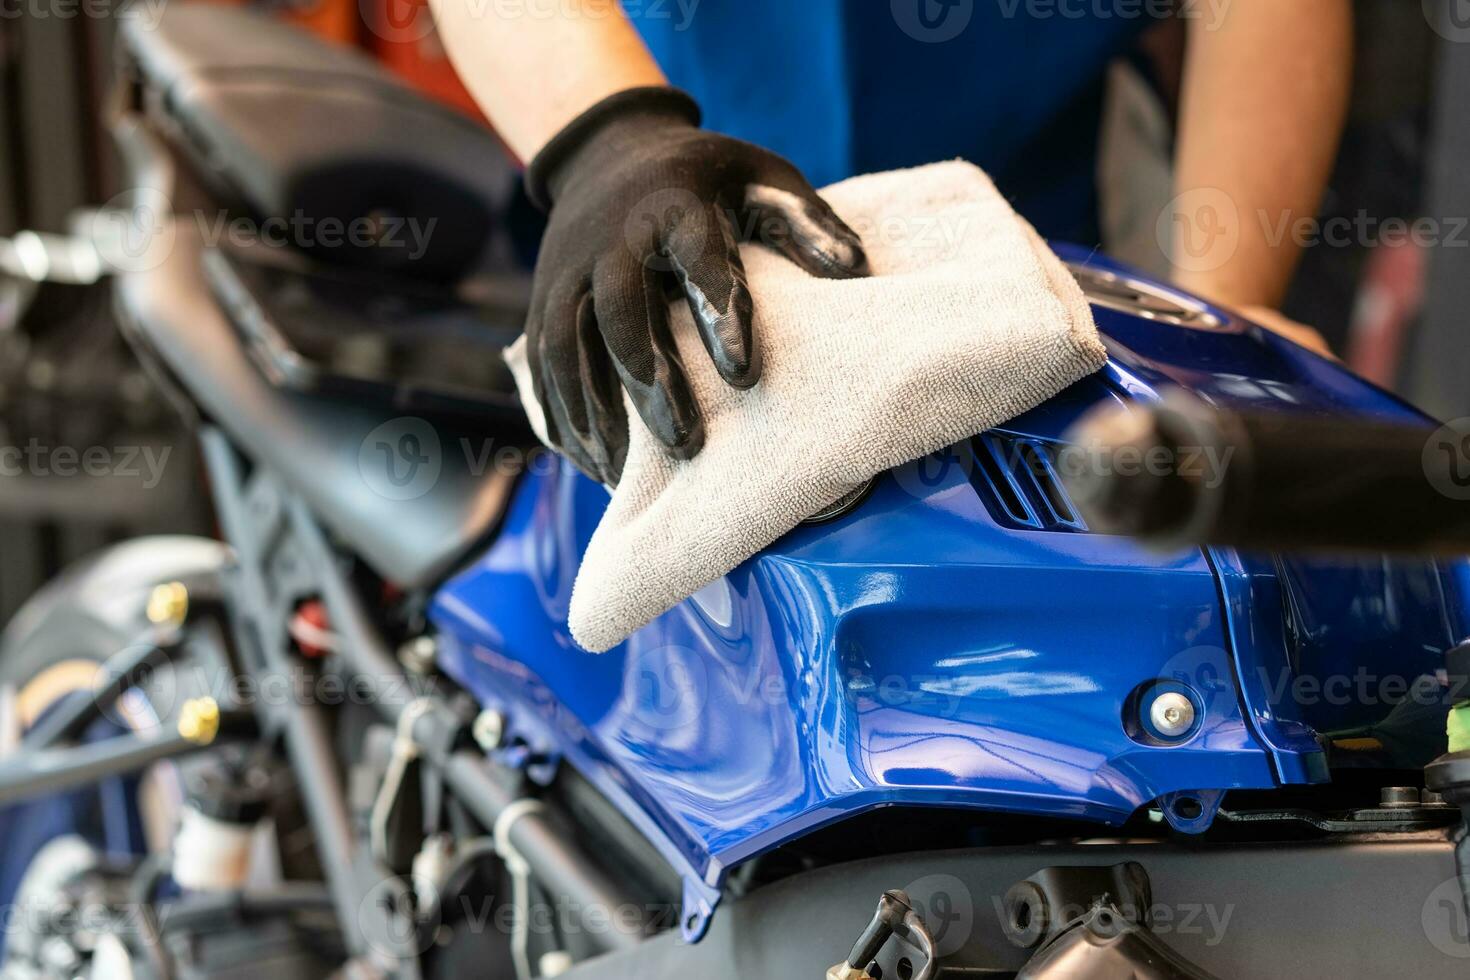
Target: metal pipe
(36, 772)
(201, 911)
(1268, 481)
(67, 721)
(556, 861)
(305, 731)
(559, 865)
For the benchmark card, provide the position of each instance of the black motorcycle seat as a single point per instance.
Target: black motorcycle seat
(409, 524)
(285, 124)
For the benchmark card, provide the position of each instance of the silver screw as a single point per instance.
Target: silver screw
(418, 654)
(488, 729)
(1171, 713)
(1398, 796)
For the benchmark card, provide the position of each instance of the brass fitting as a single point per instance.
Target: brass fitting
(199, 720)
(168, 604)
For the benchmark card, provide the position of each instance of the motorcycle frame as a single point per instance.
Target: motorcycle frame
(261, 522)
(282, 554)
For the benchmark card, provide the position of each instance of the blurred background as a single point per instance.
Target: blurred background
(1388, 291)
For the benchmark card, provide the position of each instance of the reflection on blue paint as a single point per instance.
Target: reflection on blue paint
(918, 652)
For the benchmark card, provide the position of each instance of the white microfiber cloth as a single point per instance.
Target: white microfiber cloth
(967, 320)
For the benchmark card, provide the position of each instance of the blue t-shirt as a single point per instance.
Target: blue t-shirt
(843, 87)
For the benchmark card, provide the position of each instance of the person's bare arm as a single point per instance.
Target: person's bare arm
(534, 65)
(1262, 108)
(641, 204)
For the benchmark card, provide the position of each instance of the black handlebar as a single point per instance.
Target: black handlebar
(1179, 473)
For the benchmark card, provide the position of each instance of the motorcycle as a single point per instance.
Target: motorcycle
(962, 724)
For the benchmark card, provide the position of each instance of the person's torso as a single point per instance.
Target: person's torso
(843, 87)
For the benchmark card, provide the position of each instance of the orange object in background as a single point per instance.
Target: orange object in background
(1390, 299)
(398, 33)
(401, 33)
(335, 20)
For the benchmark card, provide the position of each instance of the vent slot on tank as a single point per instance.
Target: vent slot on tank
(1016, 478)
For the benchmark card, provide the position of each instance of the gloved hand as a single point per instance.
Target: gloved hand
(645, 205)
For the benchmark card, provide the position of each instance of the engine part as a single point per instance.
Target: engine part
(237, 943)
(1449, 775)
(80, 914)
(41, 938)
(396, 826)
(1090, 924)
(1040, 908)
(212, 848)
(1105, 944)
(209, 854)
(895, 917)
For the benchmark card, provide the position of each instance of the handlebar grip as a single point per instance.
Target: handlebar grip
(1181, 473)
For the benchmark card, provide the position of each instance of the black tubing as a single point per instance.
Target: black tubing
(1180, 473)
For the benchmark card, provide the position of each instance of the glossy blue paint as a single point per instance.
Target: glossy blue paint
(926, 649)
(1191, 812)
(1361, 654)
(913, 652)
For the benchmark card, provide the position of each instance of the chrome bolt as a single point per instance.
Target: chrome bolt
(418, 654)
(1398, 796)
(488, 729)
(555, 963)
(1172, 714)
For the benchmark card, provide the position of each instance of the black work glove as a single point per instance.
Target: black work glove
(645, 205)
